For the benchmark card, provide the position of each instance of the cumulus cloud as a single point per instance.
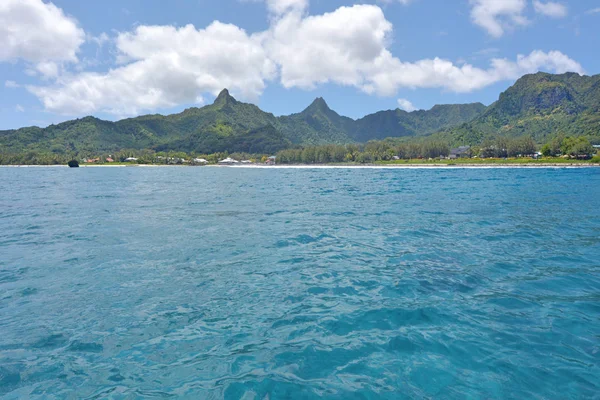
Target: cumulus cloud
(390, 74)
(550, 9)
(165, 67)
(35, 31)
(350, 47)
(495, 16)
(335, 47)
(406, 105)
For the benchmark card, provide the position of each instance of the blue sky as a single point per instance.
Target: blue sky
(115, 59)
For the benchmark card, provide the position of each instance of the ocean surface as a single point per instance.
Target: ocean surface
(212, 283)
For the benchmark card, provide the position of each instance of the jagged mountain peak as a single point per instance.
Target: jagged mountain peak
(225, 98)
(319, 104)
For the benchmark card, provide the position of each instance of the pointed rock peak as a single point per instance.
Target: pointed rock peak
(318, 105)
(320, 102)
(225, 98)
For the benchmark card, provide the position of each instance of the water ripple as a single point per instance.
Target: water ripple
(293, 284)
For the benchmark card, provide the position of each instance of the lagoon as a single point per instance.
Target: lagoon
(299, 283)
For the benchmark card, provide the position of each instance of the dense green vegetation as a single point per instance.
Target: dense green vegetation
(228, 125)
(399, 123)
(571, 146)
(540, 108)
(426, 150)
(390, 150)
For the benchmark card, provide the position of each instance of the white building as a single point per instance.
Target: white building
(229, 161)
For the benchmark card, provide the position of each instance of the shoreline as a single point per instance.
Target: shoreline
(338, 166)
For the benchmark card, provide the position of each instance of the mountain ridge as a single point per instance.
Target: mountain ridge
(540, 105)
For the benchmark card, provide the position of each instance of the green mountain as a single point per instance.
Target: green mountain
(224, 125)
(399, 123)
(317, 125)
(230, 125)
(539, 105)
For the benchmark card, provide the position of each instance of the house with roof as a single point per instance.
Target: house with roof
(460, 152)
(228, 161)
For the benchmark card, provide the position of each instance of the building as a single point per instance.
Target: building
(460, 152)
(130, 159)
(108, 159)
(200, 161)
(271, 160)
(228, 161)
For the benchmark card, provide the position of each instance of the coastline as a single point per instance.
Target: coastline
(339, 166)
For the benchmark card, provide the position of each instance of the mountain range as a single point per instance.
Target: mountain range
(540, 105)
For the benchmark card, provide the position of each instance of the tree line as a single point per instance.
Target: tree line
(371, 152)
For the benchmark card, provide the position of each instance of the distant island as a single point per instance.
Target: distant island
(548, 117)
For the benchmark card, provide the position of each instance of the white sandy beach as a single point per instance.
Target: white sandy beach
(412, 166)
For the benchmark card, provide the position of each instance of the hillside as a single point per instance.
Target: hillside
(539, 105)
(230, 125)
(317, 124)
(398, 123)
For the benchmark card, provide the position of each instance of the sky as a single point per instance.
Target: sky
(115, 59)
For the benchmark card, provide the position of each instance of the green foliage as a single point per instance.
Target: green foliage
(399, 123)
(570, 146)
(577, 146)
(373, 151)
(541, 106)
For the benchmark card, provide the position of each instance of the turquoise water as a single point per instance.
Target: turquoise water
(296, 284)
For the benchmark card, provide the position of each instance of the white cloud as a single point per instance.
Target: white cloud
(19, 108)
(593, 11)
(165, 66)
(350, 47)
(335, 47)
(390, 74)
(406, 105)
(48, 69)
(550, 9)
(11, 84)
(495, 16)
(35, 31)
